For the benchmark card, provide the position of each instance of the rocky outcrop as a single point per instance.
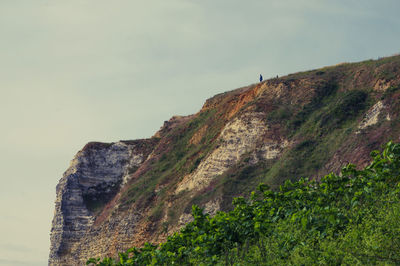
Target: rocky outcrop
(238, 137)
(93, 178)
(372, 116)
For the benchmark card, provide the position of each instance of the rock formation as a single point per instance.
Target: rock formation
(93, 178)
(118, 195)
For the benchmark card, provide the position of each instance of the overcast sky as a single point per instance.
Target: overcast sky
(74, 71)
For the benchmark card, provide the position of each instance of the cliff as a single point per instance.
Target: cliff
(118, 195)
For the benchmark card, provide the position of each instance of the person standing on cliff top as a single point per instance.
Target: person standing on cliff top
(261, 78)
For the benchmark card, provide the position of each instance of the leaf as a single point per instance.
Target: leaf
(304, 222)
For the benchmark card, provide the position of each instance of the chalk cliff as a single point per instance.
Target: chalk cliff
(118, 195)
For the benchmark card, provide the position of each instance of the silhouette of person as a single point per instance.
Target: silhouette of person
(261, 78)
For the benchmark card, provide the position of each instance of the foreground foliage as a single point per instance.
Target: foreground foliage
(351, 218)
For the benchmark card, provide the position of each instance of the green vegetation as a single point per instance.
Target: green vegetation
(322, 126)
(327, 111)
(178, 158)
(282, 113)
(174, 163)
(390, 91)
(322, 96)
(352, 219)
(347, 107)
(239, 180)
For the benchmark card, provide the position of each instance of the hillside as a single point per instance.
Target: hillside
(118, 195)
(348, 219)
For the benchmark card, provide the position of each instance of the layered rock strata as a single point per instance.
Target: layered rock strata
(93, 178)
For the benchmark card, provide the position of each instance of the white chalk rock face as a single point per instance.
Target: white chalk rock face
(94, 176)
(238, 137)
(272, 149)
(372, 116)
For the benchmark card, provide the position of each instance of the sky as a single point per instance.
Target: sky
(74, 71)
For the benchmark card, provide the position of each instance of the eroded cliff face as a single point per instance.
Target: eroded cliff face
(115, 196)
(93, 178)
(237, 137)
